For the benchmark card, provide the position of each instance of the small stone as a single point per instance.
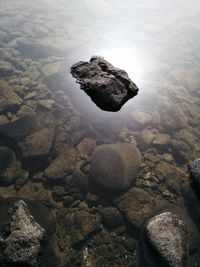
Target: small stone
(9, 100)
(112, 217)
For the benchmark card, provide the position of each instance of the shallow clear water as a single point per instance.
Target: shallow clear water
(157, 43)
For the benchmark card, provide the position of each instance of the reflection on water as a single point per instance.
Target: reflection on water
(49, 128)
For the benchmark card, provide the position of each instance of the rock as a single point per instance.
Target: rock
(135, 205)
(108, 87)
(38, 143)
(36, 148)
(195, 171)
(147, 137)
(6, 68)
(46, 104)
(173, 118)
(181, 150)
(9, 101)
(78, 225)
(161, 139)
(61, 165)
(27, 125)
(41, 48)
(166, 233)
(10, 168)
(115, 166)
(25, 243)
(3, 119)
(22, 246)
(141, 118)
(112, 217)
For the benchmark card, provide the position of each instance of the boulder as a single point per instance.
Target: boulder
(115, 166)
(108, 87)
(9, 100)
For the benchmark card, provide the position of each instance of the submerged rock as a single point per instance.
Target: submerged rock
(135, 205)
(10, 168)
(22, 246)
(167, 234)
(9, 100)
(115, 166)
(108, 87)
(6, 68)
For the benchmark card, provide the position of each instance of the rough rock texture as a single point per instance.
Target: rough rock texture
(6, 68)
(10, 168)
(135, 205)
(195, 171)
(23, 243)
(27, 125)
(38, 143)
(108, 87)
(166, 233)
(115, 166)
(8, 99)
(112, 217)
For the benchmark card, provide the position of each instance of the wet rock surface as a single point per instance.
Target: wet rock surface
(167, 234)
(108, 87)
(22, 246)
(115, 166)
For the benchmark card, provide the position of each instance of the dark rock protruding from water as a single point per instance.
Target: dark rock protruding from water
(115, 166)
(22, 246)
(195, 171)
(166, 233)
(108, 87)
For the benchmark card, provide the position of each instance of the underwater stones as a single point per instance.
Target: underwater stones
(25, 126)
(6, 68)
(115, 166)
(166, 233)
(37, 147)
(135, 205)
(195, 171)
(9, 100)
(112, 217)
(172, 118)
(108, 87)
(22, 246)
(42, 48)
(78, 224)
(61, 166)
(10, 168)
